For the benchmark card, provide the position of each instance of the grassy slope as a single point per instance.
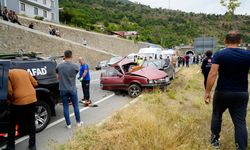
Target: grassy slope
(176, 120)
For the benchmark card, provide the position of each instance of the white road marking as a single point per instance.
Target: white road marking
(62, 119)
(81, 110)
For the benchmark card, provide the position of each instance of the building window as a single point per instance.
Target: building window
(52, 4)
(44, 2)
(35, 11)
(22, 7)
(44, 13)
(52, 16)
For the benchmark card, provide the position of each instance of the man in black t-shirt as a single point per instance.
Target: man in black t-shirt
(232, 64)
(206, 66)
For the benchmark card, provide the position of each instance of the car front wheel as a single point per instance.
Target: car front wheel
(42, 115)
(134, 90)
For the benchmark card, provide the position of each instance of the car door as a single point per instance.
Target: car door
(4, 70)
(112, 79)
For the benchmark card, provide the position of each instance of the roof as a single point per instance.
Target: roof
(168, 52)
(125, 33)
(149, 50)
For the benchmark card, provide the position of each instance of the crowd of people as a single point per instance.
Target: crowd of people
(188, 59)
(176, 61)
(9, 15)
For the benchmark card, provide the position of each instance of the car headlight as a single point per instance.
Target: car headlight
(150, 81)
(167, 79)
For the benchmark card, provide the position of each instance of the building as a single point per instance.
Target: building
(48, 9)
(125, 34)
(185, 49)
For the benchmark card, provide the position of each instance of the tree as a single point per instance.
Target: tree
(159, 26)
(231, 5)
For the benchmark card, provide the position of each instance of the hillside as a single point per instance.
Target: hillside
(159, 26)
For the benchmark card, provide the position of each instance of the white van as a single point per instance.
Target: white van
(132, 56)
(154, 53)
(168, 53)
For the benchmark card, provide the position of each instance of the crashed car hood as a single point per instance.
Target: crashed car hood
(150, 73)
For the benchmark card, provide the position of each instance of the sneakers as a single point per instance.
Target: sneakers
(79, 124)
(83, 101)
(86, 103)
(215, 141)
(68, 126)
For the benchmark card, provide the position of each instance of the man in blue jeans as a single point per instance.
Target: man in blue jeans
(67, 72)
(232, 64)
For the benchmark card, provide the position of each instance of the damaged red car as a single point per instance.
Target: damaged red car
(127, 75)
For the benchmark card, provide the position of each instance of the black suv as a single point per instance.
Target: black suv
(44, 71)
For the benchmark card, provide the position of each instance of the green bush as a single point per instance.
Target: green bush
(38, 18)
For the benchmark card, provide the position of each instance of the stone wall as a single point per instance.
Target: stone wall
(104, 42)
(14, 37)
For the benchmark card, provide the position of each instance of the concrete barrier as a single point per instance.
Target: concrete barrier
(104, 42)
(14, 37)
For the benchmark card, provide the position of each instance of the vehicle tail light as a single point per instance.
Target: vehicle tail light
(6, 134)
(17, 127)
(3, 134)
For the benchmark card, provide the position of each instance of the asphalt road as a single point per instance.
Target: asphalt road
(56, 132)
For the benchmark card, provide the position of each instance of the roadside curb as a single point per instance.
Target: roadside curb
(124, 107)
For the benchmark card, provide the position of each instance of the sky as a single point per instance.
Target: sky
(197, 6)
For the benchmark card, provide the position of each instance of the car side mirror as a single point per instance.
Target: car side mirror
(165, 66)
